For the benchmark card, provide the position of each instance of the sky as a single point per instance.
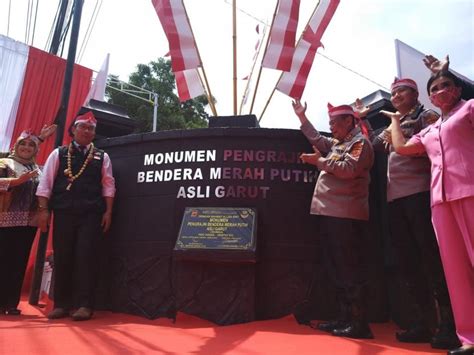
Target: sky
(358, 57)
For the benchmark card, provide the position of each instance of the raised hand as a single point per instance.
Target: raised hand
(298, 107)
(47, 131)
(361, 109)
(300, 110)
(435, 65)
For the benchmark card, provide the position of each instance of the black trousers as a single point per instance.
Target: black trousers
(76, 238)
(15, 247)
(416, 248)
(344, 255)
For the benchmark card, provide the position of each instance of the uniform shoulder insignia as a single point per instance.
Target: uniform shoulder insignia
(356, 150)
(431, 118)
(98, 154)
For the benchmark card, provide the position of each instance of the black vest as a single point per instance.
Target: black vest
(86, 190)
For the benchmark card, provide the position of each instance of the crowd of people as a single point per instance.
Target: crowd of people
(430, 196)
(430, 183)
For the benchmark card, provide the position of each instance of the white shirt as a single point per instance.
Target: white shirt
(50, 171)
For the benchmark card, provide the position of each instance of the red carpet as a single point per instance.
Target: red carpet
(113, 333)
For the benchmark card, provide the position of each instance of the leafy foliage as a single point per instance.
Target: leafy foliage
(172, 114)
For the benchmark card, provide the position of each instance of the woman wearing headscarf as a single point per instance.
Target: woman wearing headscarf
(19, 177)
(449, 143)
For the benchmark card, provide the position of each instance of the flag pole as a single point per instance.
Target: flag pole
(301, 37)
(251, 72)
(61, 116)
(210, 98)
(269, 99)
(234, 43)
(261, 63)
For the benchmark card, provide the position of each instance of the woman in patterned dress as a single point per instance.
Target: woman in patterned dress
(19, 177)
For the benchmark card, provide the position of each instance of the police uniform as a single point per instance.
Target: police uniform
(341, 200)
(413, 237)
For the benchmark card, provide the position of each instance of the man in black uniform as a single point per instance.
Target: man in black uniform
(77, 184)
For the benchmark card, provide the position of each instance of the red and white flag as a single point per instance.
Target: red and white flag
(281, 46)
(183, 50)
(292, 83)
(189, 84)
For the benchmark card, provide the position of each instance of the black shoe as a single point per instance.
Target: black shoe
(83, 313)
(414, 334)
(356, 330)
(58, 313)
(463, 350)
(301, 312)
(12, 311)
(331, 325)
(445, 339)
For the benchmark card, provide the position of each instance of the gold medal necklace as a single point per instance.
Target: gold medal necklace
(68, 170)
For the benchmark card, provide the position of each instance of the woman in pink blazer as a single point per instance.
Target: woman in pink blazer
(449, 143)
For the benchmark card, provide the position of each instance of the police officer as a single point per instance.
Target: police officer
(340, 200)
(412, 234)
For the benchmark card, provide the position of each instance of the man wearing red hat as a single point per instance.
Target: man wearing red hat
(78, 186)
(340, 200)
(412, 234)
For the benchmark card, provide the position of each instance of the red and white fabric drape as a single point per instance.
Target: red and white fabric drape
(35, 98)
(13, 60)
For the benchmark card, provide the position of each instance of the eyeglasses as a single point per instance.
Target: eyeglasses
(335, 120)
(85, 127)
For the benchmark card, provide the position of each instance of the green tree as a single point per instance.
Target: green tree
(172, 114)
